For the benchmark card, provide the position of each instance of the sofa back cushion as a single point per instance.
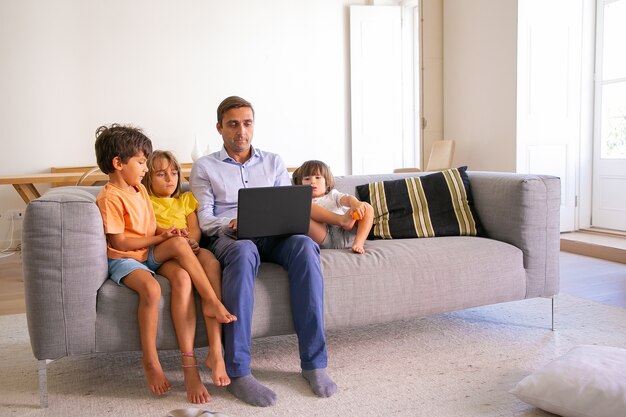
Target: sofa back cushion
(438, 204)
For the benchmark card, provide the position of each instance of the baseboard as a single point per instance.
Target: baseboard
(594, 250)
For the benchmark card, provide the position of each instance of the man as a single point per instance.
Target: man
(215, 182)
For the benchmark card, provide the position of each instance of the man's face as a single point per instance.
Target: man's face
(237, 129)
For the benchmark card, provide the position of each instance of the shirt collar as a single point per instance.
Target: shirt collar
(226, 158)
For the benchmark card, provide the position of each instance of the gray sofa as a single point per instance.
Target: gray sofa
(73, 309)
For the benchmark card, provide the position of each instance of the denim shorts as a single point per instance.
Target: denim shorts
(119, 268)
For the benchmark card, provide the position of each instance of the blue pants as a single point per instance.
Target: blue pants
(240, 260)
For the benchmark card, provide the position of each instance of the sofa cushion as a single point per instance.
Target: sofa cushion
(588, 381)
(438, 204)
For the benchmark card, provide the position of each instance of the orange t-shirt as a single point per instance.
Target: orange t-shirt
(126, 212)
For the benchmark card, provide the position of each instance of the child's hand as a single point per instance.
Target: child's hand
(183, 232)
(168, 233)
(359, 207)
(195, 247)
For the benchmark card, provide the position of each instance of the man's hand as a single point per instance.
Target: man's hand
(232, 225)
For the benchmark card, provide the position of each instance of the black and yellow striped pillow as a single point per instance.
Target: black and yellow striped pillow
(438, 204)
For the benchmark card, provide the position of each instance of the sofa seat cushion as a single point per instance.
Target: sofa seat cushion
(117, 313)
(116, 323)
(397, 279)
(400, 279)
(393, 280)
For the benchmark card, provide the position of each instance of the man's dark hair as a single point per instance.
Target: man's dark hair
(232, 102)
(119, 141)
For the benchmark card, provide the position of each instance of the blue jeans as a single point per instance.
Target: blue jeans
(240, 260)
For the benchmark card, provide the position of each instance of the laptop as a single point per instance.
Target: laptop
(273, 211)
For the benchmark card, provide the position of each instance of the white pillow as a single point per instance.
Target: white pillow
(588, 381)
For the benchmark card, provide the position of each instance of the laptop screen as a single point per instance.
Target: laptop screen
(273, 211)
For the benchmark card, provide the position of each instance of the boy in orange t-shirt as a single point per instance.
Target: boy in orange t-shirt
(136, 247)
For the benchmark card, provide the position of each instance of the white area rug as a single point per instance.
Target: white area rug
(456, 364)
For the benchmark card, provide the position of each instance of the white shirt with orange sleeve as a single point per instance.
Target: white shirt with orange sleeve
(128, 212)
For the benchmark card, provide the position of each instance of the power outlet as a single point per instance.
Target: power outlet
(15, 214)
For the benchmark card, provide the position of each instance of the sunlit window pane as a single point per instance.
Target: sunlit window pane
(614, 58)
(613, 143)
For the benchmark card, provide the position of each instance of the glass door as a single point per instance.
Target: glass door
(609, 161)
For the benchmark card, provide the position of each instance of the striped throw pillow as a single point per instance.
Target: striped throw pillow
(438, 204)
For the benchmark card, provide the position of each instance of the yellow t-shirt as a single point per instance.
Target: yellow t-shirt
(128, 212)
(174, 211)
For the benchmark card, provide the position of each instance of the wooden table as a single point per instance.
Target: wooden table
(25, 184)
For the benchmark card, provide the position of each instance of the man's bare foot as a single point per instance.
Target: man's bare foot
(157, 382)
(215, 309)
(347, 221)
(215, 362)
(196, 391)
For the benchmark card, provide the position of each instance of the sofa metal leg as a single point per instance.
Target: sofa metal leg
(43, 382)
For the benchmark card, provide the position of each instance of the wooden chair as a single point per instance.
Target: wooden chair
(87, 171)
(441, 155)
(83, 178)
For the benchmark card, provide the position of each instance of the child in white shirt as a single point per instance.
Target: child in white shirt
(334, 214)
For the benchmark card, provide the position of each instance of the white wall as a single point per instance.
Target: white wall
(479, 79)
(69, 66)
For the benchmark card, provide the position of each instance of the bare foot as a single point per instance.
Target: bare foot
(358, 247)
(157, 382)
(196, 391)
(347, 221)
(215, 309)
(215, 362)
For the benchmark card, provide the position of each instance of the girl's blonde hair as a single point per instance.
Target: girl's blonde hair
(169, 157)
(312, 168)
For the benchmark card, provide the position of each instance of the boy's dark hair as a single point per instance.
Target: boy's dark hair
(312, 168)
(232, 102)
(119, 141)
(169, 157)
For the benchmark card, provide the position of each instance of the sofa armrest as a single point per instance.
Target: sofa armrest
(523, 210)
(65, 263)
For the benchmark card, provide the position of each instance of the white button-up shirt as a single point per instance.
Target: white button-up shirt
(216, 179)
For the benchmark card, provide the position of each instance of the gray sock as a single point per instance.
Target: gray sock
(320, 382)
(248, 389)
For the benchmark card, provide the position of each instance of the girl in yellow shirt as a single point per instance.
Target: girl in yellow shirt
(171, 208)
